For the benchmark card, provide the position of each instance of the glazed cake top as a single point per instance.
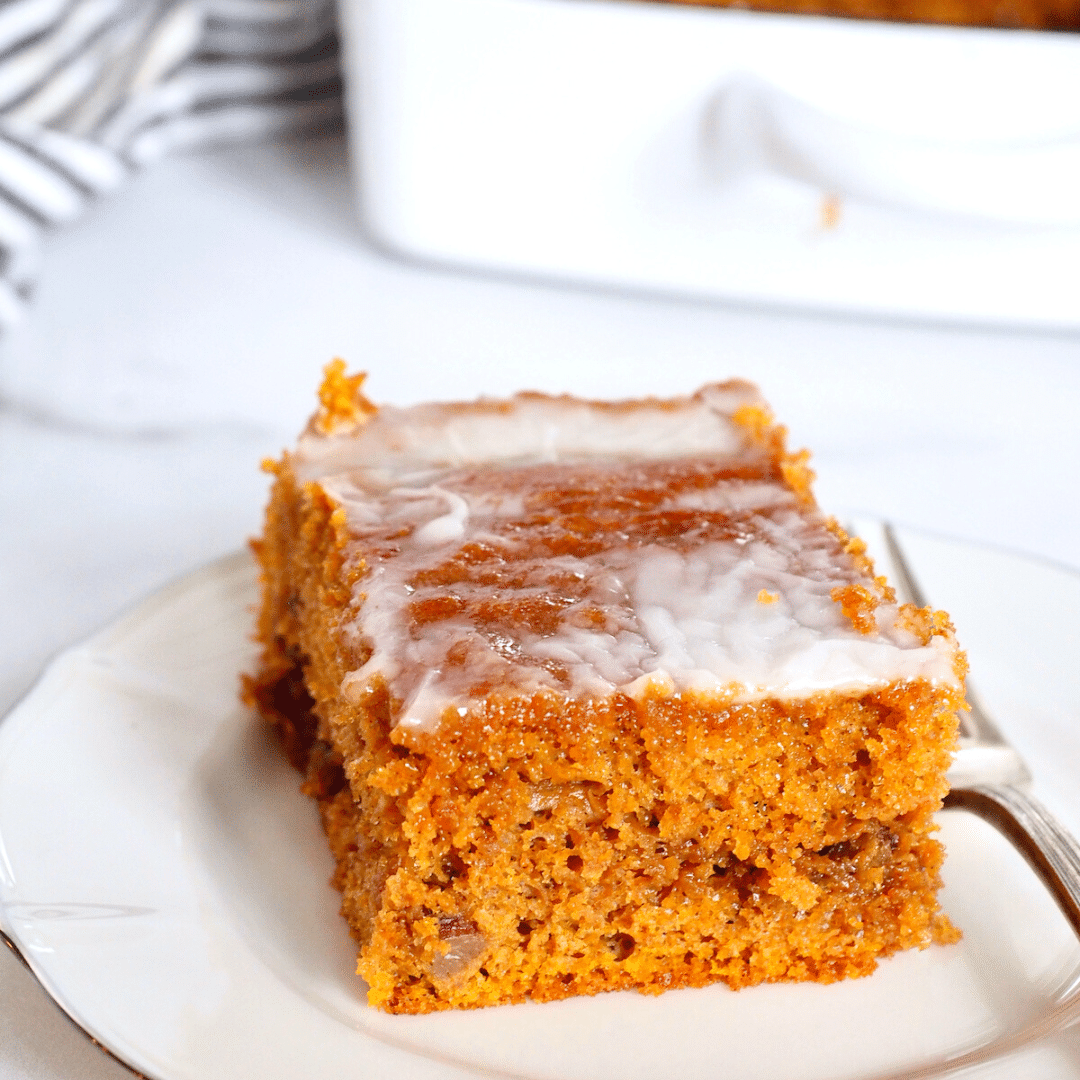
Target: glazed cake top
(650, 547)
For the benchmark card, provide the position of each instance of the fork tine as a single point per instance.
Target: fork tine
(905, 583)
(975, 724)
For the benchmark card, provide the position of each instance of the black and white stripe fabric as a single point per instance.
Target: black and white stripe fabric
(93, 89)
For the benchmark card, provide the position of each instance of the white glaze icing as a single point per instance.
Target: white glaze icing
(744, 614)
(530, 427)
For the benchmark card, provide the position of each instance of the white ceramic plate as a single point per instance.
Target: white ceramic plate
(167, 882)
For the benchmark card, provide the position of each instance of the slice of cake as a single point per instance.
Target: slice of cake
(592, 697)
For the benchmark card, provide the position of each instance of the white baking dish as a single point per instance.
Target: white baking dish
(914, 170)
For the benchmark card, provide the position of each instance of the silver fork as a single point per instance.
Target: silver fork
(988, 777)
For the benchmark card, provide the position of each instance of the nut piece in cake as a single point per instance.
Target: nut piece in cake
(593, 697)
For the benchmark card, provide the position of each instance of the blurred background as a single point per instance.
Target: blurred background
(203, 203)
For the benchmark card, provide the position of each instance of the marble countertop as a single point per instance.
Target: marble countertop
(178, 335)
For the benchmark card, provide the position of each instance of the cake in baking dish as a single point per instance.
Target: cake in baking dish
(1005, 14)
(593, 697)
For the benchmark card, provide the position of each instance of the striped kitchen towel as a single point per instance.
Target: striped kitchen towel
(91, 90)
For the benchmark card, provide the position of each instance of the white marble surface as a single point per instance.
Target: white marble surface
(177, 339)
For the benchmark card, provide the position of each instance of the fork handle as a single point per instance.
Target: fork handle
(1049, 848)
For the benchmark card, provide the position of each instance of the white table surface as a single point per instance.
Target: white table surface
(177, 338)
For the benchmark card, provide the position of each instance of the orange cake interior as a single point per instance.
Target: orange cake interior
(593, 697)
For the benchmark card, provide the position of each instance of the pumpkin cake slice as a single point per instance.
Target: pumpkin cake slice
(593, 697)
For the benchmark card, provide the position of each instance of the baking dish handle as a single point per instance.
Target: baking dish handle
(753, 125)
